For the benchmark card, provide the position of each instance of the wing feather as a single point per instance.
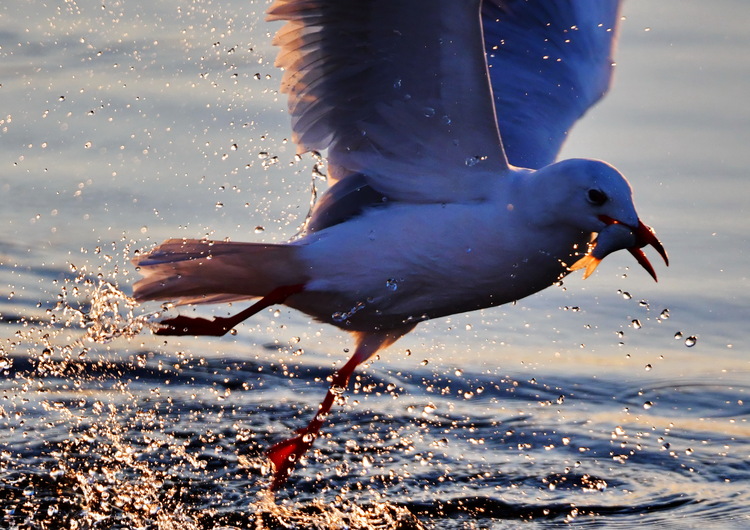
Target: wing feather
(549, 61)
(396, 90)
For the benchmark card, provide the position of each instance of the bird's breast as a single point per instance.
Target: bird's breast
(388, 268)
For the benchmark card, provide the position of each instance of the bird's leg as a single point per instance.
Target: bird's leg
(285, 455)
(218, 326)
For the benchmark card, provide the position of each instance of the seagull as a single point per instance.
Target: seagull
(429, 210)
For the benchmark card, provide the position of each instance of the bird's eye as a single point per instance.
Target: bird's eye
(596, 197)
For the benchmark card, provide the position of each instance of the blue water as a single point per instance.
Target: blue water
(614, 401)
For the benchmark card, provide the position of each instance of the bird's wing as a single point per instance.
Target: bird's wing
(396, 90)
(549, 61)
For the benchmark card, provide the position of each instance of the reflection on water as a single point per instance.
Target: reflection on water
(132, 122)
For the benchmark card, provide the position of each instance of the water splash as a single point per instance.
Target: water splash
(110, 314)
(318, 174)
(320, 515)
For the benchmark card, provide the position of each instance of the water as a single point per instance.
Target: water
(609, 402)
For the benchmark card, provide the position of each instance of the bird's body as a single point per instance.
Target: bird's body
(403, 263)
(425, 217)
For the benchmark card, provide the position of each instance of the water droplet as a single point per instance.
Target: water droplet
(691, 341)
(428, 112)
(391, 284)
(636, 324)
(474, 160)
(678, 335)
(648, 404)
(648, 367)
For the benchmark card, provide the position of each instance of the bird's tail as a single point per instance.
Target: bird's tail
(191, 271)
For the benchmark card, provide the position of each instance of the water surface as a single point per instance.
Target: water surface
(611, 402)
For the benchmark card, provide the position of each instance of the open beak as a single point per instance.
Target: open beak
(616, 236)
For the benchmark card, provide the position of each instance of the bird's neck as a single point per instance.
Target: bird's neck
(542, 200)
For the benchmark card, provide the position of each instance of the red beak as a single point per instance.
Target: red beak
(645, 235)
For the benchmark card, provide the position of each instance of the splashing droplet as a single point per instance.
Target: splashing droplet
(474, 160)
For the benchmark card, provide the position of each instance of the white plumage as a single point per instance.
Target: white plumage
(425, 216)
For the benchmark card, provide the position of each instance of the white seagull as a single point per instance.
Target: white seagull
(429, 213)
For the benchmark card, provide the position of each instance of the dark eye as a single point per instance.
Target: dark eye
(596, 197)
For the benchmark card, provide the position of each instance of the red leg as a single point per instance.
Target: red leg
(218, 326)
(285, 455)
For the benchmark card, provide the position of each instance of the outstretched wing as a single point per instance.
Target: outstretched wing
(549, 61)
(396, 90)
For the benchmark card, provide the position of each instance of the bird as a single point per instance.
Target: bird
(441, 122)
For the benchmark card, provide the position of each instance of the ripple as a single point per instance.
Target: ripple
(188, 437)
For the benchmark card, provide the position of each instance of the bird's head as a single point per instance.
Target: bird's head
(593, 196)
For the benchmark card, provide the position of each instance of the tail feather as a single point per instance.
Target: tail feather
(191, 271)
